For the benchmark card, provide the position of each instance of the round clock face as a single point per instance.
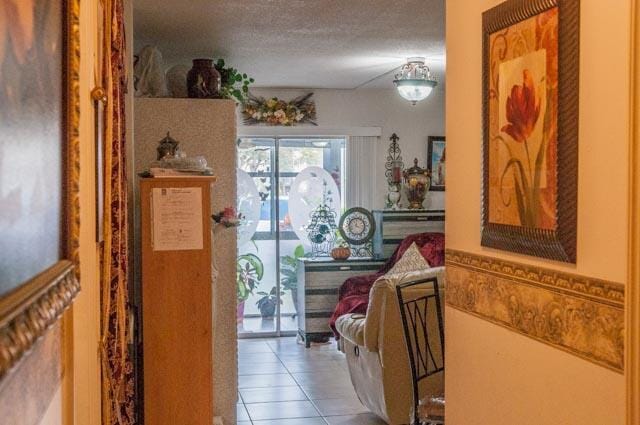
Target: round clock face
(357, 226)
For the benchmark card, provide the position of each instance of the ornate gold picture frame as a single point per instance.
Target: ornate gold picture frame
(39, 187)
(530, 120)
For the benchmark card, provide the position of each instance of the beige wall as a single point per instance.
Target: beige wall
(78, 400)
(203, 127)
(494, 375)
(381, 108)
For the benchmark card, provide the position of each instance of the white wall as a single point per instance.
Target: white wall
(380, 108)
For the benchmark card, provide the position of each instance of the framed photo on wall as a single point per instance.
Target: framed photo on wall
(436, 162)
(39, 172)
(530, 127)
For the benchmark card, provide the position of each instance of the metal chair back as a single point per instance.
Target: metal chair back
(419, 301)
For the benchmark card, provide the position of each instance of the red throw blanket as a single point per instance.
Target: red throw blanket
(353, 296)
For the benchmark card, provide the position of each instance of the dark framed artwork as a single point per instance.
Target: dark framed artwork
(436, 161)
(530, 127)
(39, 171)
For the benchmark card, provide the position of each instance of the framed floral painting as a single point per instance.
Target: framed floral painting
(530, 119)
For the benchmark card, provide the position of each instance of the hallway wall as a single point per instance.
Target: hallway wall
(494, 375)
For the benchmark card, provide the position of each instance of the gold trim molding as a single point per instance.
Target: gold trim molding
(577, 314)
(32, 309)
(72, 125)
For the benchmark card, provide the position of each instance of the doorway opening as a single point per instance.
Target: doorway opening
(278, 190)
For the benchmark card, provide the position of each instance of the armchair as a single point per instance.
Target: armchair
(376, 351)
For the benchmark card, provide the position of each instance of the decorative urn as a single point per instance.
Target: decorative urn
(417, 181)
(167, 147)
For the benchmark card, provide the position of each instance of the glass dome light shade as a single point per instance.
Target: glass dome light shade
(414, 90)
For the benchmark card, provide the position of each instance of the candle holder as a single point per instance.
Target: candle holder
(394, 169)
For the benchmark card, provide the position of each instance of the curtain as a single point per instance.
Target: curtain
(361, 188)
(118, 407)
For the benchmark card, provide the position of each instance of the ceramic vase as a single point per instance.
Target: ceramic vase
(203, 80)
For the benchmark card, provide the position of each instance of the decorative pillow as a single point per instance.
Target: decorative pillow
(433, 252)
(412, 260)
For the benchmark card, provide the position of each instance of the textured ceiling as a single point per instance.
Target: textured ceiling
(297, 43)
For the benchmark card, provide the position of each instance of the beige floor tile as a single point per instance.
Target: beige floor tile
(311, 355)
(314, 366)
(342, 406)
(241, 413)
(322, 378)
(363, 419)
(248, 368)
(297, 421)
(282, 410)
(253, 347)
(322, 392)
(265, 395)
(257, 358)
(265, 381)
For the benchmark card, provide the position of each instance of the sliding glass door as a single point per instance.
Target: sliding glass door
(276, 197)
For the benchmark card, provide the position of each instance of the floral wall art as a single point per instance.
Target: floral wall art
(274, 111)
(530, 129)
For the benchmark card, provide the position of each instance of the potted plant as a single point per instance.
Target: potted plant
(249, 273)
(267, 304)
(289, 273)
(233, 84)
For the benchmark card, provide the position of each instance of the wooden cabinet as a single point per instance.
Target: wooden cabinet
(318, 282)
(393, 226)
(177, 316)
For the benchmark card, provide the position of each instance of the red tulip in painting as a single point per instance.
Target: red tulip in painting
(523, 124)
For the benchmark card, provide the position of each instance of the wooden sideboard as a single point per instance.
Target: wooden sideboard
(393, 226)
(318, 282)
(177, 308)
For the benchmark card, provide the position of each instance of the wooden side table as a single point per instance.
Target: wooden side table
(318, 282)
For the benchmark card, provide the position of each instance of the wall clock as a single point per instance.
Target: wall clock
(357, 226)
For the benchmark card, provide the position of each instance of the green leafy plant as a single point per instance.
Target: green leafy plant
(267, 304)
(289, 269)
(289, 273)
(249, 273)
(233, 84)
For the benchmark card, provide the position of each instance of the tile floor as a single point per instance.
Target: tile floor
(288, 323)
(282, 383)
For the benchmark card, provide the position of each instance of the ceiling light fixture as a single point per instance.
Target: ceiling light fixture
(414, 81)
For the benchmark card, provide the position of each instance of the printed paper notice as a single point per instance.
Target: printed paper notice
(176, 218)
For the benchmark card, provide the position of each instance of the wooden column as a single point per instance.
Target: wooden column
(177, 318)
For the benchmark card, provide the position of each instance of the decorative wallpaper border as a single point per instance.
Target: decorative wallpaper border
(580, 315)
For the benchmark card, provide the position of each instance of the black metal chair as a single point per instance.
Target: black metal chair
(419, 301)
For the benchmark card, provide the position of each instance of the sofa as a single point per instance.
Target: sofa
(376, 351)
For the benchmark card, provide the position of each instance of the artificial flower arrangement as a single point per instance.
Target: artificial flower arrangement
(228, 217)
(258, 110)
